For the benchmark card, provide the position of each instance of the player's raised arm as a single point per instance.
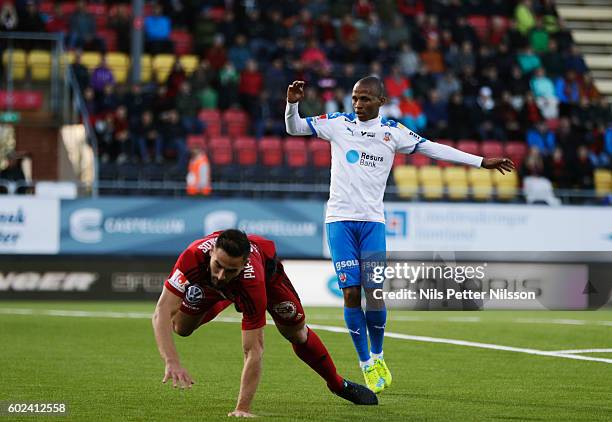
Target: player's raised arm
(293, 123)
(167, 305)
(253, 346)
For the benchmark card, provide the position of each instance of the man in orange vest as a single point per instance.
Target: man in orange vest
(198, 177)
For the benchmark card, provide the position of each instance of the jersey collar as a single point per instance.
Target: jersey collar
(369, 123)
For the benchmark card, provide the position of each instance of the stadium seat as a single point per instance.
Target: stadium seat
(481, 183)
(182, 42)
(603, 182)
(119, 64)
(270, 151)
(212, 119)
(146, 68)
(100, 13)
(430, 178)
(194, 141)
(235, 121)
(506, 185)
(296, 153)
(516, 151)
(162, 65)
(109, 37)
(189, 63)
(245, 151)
(18, 63)
(469, 145)
(221, 157)
(480, 24)
(320, 153)
(492, 148)
(419, 160)
(68, 7)
(455, 179)
(91, 59)
(39, 62)
(406, 180)
(399, 159)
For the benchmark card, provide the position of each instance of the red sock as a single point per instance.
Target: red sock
(314, 353)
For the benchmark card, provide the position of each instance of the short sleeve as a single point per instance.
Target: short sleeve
(407, 141)
(323, 125)
(177, 282)
(253, 298)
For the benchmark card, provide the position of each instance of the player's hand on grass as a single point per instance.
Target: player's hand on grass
(500, 164)
(179, 376)
(295, 91)
(241, 414)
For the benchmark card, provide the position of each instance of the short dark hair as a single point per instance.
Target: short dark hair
(375, 83)
(235, 243)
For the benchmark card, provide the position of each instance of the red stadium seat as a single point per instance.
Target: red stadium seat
(21, 100)
(492, 148)
(399, 159)
(516, 151)
(270, 151)
(212, 120)
(469, 146)
(245, 151)
(183, 42)
(480, 25)
(220, 152)
(109, 37)
(419, 160)
(235, 116)
(296, 153)
(196, 141)
(46, 7)
(68, 8)
(320, 153)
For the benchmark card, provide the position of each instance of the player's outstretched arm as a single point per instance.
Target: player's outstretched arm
(293, 123)
(253, 346)
(167, 305)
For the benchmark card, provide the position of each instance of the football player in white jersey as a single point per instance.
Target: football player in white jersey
(363, 145)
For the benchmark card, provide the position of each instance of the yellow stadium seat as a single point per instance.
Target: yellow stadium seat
(119, 64)
(430, 178)
(506, 185)
(91, 59)
(145, 68)
(18, 63)
(481, 183)
(406, 181)
(189, 63)
(39, 62)
(603, 182)
(68, 59)
(162, 65)
(456, 182)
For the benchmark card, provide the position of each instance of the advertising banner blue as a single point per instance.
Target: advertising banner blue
(149, 226)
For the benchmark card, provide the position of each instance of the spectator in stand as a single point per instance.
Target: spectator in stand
(567, 89)
(459, 118)
(528, 61)
(525, 16)
(217, 54)
(208, 97)
(311, 105)
(349, 35)
(396, 84)
(588, 88)
(530, 113)
(80, 71)
(436, 114)
(372, 32)
(188, 106)
(484, 117)
(363, 9)
(542, 138)
(157, 28)
(552, 60)
(82, 32)
(462, 32)
(447, 85)
(412, 115)
(29, 19)
(397, 33)
(464, 57)
(57, 22)
(121, 134)
(251, 85)
(107, 101)
(538, 38)
(239, 53)
(422, 83)
(575, 61)
(567, 139)
(582, 117)
(498, 31)
(135, 102)
(175, 138)
(121, 23)
(265, 118)
(408, 60)
(432, 58)
(544, 92)
(410, 9)
(204, 76)
(101, 76)
(514, 38)
(556, 169)
(340, 101)
(302, 29)
(325, 30)
(582, 169)
(175, 79)
(313, 57)
(508, 117)
(275, 80)
(146, 137)
(533, 165)
(391, 110)
(162, 103)
(229, 80)
(601, 112)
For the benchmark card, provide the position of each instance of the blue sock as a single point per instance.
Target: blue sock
(376, 321)
(356, 323)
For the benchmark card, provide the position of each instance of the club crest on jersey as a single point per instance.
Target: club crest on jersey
(194, 295)
(286, 310)
(342, 277)
(387, 137)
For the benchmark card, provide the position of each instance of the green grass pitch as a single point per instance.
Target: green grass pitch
(106, 367)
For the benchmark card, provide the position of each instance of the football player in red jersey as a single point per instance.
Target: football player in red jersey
(230, 267)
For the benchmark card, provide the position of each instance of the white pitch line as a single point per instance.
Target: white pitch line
(142, 315)
(584, 351)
